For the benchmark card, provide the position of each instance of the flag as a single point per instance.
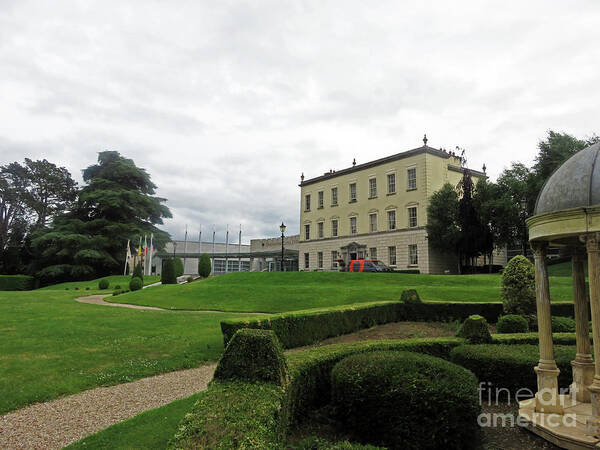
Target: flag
(140, 247)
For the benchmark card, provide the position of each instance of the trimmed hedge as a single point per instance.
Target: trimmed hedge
(16, 283)
(135, 284)
(138, 272)
(167, 275)
(300, 328)
(512, 323)
(475, 330)
(204, 265)
(410, 296)
(396, 399)
(563, 325)
(511, 366)
(254, 355)
(179, 269)
(103, 284)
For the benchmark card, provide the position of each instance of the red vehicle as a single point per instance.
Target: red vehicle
(367, 265)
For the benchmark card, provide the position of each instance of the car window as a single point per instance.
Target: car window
(356, 266)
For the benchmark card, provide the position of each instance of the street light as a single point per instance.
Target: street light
(174, 248)
(523, 205)
(282, 228)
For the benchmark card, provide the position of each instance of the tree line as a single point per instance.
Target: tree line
(52, 228)
(471, 219)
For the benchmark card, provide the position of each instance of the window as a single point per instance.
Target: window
(334, 258)
(307, 232)
(352, 192)
(412, 216)
(373, 252)
(334, 228)
(373, 222)
(392, 256)
(413, 255)
(320, 260)
(321, 199)
(320, 229)
(391, 183)
(334, 196)
(306, 260)
(372, 187)
(353, 229)
(412, 178)
(307, 202)
(391, 220)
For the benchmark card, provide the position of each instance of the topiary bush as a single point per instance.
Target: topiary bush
(410, 296)
(138, 272)
(475, 329)
(254, 355)
(396, 399)
(204, 265)
(518, 287)
(136, 284)
(103, 284)
(512, 323)
(563, 325)
(168, 272)
(179, 269)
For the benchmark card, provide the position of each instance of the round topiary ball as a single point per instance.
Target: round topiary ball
(512, 323)
(103, 284)
(396, 400)
(475, 330)
(411, 297)
(135, 284)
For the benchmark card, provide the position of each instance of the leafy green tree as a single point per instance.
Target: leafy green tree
(168, 272)
(13, 217)
(442, 228)
(204, 265)
(116, 204)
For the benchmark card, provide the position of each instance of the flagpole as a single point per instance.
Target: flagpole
(226, 248)
(184, 248)
(240, 250)
(151, 253)
(213, 252)
(127, 256)
(145, 255)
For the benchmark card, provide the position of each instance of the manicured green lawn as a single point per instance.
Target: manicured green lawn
(150, 429)
(53, 346)
(114, 280)
(289, 291)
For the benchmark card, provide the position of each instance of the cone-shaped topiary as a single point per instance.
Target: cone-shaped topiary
(103, 284)
(410, 296)
(204, 265)
(475, 330)
(518, 287)
(138, 272)
(178, 267)
(168, 272)
(254, 355)
(136, 284)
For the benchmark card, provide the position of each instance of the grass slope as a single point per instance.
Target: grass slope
(114, 280)
(290, 291)
(52, 346)
(150, 429)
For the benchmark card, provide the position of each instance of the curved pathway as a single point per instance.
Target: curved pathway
(55, 424)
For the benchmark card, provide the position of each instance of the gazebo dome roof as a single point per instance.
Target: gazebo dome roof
(575, 184)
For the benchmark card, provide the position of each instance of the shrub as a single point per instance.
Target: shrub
(120, 291)
(16, 283)
(103, 284)
(190, 279)
(168, 272)
(518, 286)
(118, 286)
(512, 323)
(254, 355)
(563, 325)
(475, 330)
(204, 265)
(395, 399)
(511, 366)
(136, 284)
(179, 269)
(87, 288)
(138, 272)
(410, 296)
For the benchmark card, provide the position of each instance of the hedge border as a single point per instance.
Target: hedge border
(17, 283)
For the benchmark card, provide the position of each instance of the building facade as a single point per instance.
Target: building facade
(266, 254)
(377, 210)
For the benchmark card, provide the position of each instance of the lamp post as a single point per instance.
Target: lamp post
(174, 248)
(282, 228)
(523, 205)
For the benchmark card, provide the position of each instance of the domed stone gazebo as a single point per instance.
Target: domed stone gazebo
(567, 214)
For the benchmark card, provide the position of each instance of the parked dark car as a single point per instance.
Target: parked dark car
(367, 265)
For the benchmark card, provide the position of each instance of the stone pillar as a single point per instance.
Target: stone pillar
(583, 365)
(547, 399)
(593, 249)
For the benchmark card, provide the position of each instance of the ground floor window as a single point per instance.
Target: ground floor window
(413, 255)
(334, 258)
(320, 260)
(306, 260)
(392, 256)
(373, 252)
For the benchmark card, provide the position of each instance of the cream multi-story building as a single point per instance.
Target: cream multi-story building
(377, 210)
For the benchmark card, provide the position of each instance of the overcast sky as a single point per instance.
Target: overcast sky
(226, 103)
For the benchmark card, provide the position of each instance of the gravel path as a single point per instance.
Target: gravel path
(55, 424)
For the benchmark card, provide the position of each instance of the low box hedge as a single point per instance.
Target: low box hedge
(300, 328)
(16, 283)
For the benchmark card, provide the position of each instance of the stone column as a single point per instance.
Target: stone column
(583, 365)
(593, 248)
(547, 399)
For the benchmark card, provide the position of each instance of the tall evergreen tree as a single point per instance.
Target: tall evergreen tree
(472, 232)
(116, 204)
